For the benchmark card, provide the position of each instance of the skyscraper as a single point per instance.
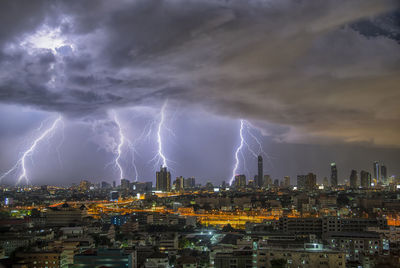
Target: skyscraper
(334, 180)
(179, 183)
(267, 182)
(365, 179)
(286, 181)
(163, 180)
(384, 174)
(223, 185)
(125, 184)
(325, 182)
(240, 181)
(105, 184)
(260, 172)
(353, 179)
(311, 181)
(376, 172)
(301, 181)
(189, 183)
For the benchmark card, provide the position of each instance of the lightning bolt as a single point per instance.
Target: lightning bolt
(238, 150)
(246, 127)
(160, 156)
(22, 160)
(122, 141)
(261, 151)
(119, 147)
(159, 140)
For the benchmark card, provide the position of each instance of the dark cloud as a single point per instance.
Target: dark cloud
(20, 17)
(385, 25)
(313, 67)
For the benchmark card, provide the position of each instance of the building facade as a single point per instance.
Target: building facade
(311, 255)
(334, 175)
(260, 176)
(163, 180)
(365, 178)
(353, 179)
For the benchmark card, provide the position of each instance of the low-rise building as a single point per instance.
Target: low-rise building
(40, 259)
(64, 215)
(310, 255)
(11, 242)
(105, 257)
(157, 260)
(356, 244)
(233, 259)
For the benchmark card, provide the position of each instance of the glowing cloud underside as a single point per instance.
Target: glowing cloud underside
(22, 161)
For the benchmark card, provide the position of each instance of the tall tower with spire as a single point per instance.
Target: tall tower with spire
(260, 172)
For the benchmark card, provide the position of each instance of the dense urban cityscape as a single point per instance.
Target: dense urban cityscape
(261, 222)
(199, 133)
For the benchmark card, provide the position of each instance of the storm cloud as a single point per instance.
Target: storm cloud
(300, 64)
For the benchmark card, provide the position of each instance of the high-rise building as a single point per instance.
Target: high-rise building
(179, 183)
(163, 180)
(255, 181)
(125, 184)
(251, 183)
(353, 179)
(209, 186)
(276, 182)
(365, 178)
(301, 181)
(286, 181)
(334, 175)
(376, 171)
(189, 183)
(105, 184)
(84, 185)
(384, 177)
(142, 187)
(223, 185)
(311, 181)
(260, 172)
(240, 181)
(267, 181)
(325, 182)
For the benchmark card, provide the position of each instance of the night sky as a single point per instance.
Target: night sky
(316, 81)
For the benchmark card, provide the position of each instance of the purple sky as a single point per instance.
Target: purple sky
(317, 80)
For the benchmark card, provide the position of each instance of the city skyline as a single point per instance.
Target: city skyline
(310, 98)
(274, 165)
(200, 133)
